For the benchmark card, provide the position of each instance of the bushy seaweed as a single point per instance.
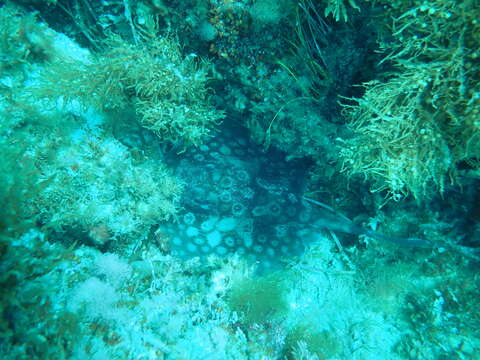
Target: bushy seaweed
(22, 38)
(413, 129)
(167, 90)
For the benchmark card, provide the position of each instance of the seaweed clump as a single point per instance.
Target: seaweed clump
(414, 128)
(167, 90)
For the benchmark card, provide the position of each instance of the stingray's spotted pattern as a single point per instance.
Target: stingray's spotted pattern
(239, 199)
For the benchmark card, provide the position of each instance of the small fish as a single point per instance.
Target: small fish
(332, 220)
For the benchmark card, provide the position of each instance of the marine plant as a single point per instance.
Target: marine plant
(22, 38)
(339, 9)
(257, 299)
(418, 124)
(167, 90)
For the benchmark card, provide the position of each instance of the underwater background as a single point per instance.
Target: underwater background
(240, 179)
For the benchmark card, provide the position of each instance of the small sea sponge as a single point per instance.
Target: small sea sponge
(113, 268)
(95, 298)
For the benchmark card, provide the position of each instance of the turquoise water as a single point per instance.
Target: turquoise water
(254, 179)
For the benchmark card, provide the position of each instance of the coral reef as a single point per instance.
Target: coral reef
(127, 197)
(160, 160)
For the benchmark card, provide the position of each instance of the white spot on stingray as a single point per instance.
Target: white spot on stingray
(209, 224)
(214, 238)
(226, 224)
(220, 250)
(247, 240)
(191, 248)
(192, 231)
